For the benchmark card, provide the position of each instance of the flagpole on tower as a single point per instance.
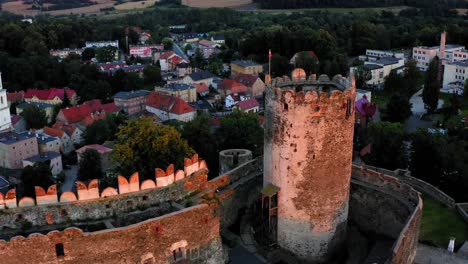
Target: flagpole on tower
(269, 62)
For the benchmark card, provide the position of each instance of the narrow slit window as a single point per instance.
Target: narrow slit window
(59, 251)
(348, 108)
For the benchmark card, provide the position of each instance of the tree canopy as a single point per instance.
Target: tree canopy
(142, 146)
(431, 86)
(34, 116)
(90, 165)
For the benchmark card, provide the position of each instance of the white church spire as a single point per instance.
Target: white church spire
(5, 118)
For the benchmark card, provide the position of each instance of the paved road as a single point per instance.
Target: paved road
(431, 255)
(70, 178)
(240, 255)
(418, 110)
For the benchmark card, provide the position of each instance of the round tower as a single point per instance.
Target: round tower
(307, 161)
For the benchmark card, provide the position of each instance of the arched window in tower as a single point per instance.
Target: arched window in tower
(348, 108)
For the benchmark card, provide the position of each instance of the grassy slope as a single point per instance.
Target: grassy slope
(439, 223)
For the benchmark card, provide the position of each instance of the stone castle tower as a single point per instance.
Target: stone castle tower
(308, 160)
(5, 119)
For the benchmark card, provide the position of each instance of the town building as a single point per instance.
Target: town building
(380, 69)
(424, 55)
(169, 60)
(15, 147)
(373, 55)
(86, 113)
(46, 142)
(66, 142)
(199, 76)
(186, 92)
(131, 102)
(75, 132)
(455, 76)
(5, 119)
(255, 85)
(111, 67)
(202, 89)
(184, 69)
(54, 159)
(48, 108)
(249, 106)
(104, 154)
(208, 48)
(246, 67)
(232, 100)
(144, 51)
(167, 107)
(64, 53)
(218, 39)
(52, 96)
(144, 37)
(229, 86)
(102, 44)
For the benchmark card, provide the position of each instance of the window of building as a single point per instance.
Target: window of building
(178, 254)
(59, 250)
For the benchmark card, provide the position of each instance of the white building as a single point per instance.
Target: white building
(455, 75)
(51, 157)
(102, 44)
(424, 55)
(373, 55)
(5, 118)
(381, 68)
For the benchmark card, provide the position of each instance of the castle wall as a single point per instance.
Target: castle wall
(308, 155)
(381, 204)
(195, 230)
(90, 205)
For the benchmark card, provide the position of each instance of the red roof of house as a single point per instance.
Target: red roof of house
(206, 43)
(111, 65)
(15, 96)
(78, 113)
(99, 148)
(49, 94)
(168, 103)
(53, 132)
(233, 86)
(201, 87)
(311, 53)
(88, 120)
(69, 129)
(246, 79)
(166, 55)
(248, 104)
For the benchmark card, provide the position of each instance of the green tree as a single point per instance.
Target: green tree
(88, 54)
(241, 130)
(40, 174)
(199, 137)
(97, 133)
(143, 146)
(362, 75)
(168, 43)
(307, 62)
(394, 83)
(465, 91)
(106, 54)
(152, 74)
(279, 65)
(187, 48)
(66, 101)
(411, 76)
(34, 116)
(199, 59)
(90, 166)
(398, 109)
(431, 86)
(387, 149)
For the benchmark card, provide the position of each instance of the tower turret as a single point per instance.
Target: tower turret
(308, 159)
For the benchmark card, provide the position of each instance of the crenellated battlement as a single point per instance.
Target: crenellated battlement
(322, 95)
(91, 191)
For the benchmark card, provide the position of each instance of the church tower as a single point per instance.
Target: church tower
(5, 119)
(307, 162)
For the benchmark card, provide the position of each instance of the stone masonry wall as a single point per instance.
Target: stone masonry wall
(89, 204)
(195, 230)
(308, 153)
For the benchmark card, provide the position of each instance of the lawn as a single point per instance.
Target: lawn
(439, 223)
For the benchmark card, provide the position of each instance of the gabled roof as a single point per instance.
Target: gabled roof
(246, 79)
(169, 104)
(68, 128)
(53, 132)
(49, 155)
(206, 43)
(78, 113)
(201, 75)
(202, 87)
(107, 66)
(15, 96)
(233, 86)
(245, 63)
(166, 55)
(248, 104)
(49, 94)
(132, 94)
(99, 148)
